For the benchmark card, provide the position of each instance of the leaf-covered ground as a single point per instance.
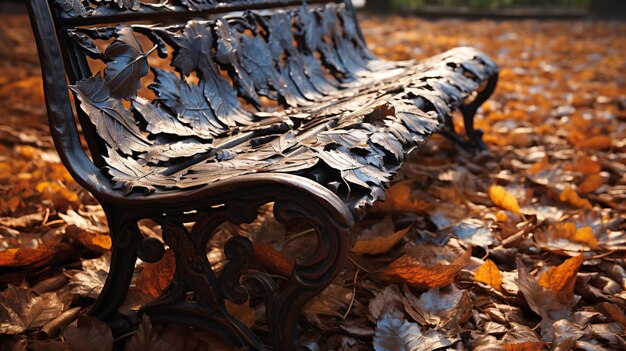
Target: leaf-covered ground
(519, 248)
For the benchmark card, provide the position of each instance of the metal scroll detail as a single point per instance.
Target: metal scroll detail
(196, 294)
(293, 91)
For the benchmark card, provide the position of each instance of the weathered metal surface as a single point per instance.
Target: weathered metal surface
(205, 120)
(347, 120)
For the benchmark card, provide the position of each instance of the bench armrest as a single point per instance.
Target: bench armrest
(60, 113)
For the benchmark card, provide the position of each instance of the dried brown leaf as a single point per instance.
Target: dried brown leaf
(89, 334)
(407, 269)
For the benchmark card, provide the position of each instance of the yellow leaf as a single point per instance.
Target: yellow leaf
(489, 274)
(501, 216)
(570, 196)
(503, 199)
(380, 244)
(561, 279)
(585, 235)
(569, 232)
(95, 242)
(407, 269)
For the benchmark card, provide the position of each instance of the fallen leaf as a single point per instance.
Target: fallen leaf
(408, 269)
(330, 302)
(598, 142)
(613, 311)
(21, 310)
(267, 256)
(399, 199)
(551, 297)
(147, 339)
(376, 245)
(447, 308)
(386, 300)
(99, 243)
(568, 231)
(22, 222)
(394, 333)
(89, 334)
(25, 256)
(474, 232)
(585, 165)
(524, 346)
(571, 197)
(88, 283)
(561, 279)
(156, 277)
(503, 199)
(592, 183)
(489, 274)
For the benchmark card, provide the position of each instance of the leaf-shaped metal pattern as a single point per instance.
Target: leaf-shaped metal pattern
(289, 90)
(127, 64)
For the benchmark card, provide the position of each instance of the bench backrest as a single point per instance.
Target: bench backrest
(210, 67)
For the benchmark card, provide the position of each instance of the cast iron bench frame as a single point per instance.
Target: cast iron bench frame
(235, 199)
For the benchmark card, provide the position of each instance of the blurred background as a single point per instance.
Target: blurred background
(601, 9)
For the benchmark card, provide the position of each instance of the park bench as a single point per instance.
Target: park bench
(201, 111)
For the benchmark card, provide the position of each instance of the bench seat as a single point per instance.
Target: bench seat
(341, 116)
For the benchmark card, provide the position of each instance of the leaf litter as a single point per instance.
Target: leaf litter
(519, 248)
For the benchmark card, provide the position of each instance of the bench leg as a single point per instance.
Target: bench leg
(312, 274)
(474, 136)
(196, 295)
(124, 236)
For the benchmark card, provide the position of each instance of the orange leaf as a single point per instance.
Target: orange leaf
(407, 269)
(592, 183)
(569, 232)
(524, 346)
(586, 165)
(95, 242)
(380, 244)
(272, 259)
(599, 142)
(585, 235)
(570, 196)
(155, 277)
(25, 256)
(399, 200)
(501, 216)
(503, 199)
(489, 274)
(561, 279)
